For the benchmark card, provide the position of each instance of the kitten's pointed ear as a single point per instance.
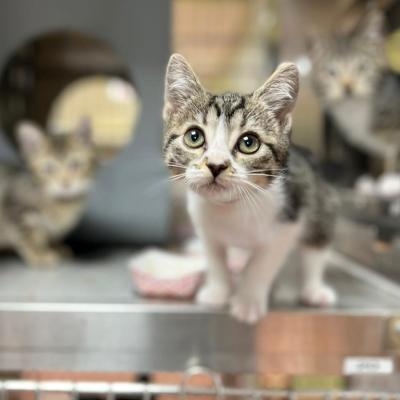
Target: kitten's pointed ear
(30, 138)
(280, 91)
(181, 84)
(371, 27)
(83, 131)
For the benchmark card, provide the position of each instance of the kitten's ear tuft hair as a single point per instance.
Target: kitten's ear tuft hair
(280, 91)
(371, 27)
(83, 131)
(30, 137)
(181, 84)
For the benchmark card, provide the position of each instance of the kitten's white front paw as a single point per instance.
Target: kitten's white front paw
(212, 294)
(319, 296)
(249, 308)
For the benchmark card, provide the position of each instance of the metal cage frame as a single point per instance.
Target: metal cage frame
(147, 391)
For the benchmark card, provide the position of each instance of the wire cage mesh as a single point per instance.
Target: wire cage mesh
(80, 390)
(46, 390)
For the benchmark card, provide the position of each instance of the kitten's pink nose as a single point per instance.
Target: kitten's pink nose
(216, 169)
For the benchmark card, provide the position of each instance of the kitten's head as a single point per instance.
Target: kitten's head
(62, 164)
(348, 65)
(227, 145)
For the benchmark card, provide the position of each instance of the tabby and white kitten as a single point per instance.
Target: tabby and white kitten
(358, 95)
(42, 201)
(247, 188)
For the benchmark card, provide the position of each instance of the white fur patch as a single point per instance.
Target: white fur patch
(244, 224)
(218, 151)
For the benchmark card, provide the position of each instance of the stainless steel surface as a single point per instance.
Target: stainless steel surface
(85, 317)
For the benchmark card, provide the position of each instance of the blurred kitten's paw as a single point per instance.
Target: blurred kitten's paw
(52, 258)
(249, 308)
(319, 296)
(390, 158)
(48, 258)
(213, 294)
(64, 252)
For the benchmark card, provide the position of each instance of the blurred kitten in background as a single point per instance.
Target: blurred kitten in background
(42, 201)
(359, 95)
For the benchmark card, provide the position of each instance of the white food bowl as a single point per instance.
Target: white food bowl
(158, 273)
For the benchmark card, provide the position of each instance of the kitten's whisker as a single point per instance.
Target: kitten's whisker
(255, 186)
(257, 174)
(242, 199)
(176, 165)
(157, 186)
(258, 188)
(267, 175)
(176, 177)
(258, 209)
(269, 169)
(240, 195)
(254, 207)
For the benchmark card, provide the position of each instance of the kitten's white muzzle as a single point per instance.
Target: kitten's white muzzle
(76, 189)
(220, 189)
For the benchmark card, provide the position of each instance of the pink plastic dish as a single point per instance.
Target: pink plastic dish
(158, 273)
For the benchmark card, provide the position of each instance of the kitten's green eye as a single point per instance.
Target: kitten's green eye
(194, 137)
(248, 143)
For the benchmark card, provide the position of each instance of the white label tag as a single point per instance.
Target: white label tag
(368, 365)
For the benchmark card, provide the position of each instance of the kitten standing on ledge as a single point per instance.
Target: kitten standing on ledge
(42, 201)
(247, 187)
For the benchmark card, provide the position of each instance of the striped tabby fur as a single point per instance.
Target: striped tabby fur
(267, 201)
(42, 201)
(359, 95)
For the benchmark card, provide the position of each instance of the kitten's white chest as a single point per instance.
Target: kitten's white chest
(244, 225)
(59, 219)
(353, 116)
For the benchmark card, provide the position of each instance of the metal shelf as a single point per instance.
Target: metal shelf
(86, 317)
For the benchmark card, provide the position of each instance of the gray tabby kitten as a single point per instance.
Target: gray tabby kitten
(42, 201)
(247, 188)
(357, 93)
